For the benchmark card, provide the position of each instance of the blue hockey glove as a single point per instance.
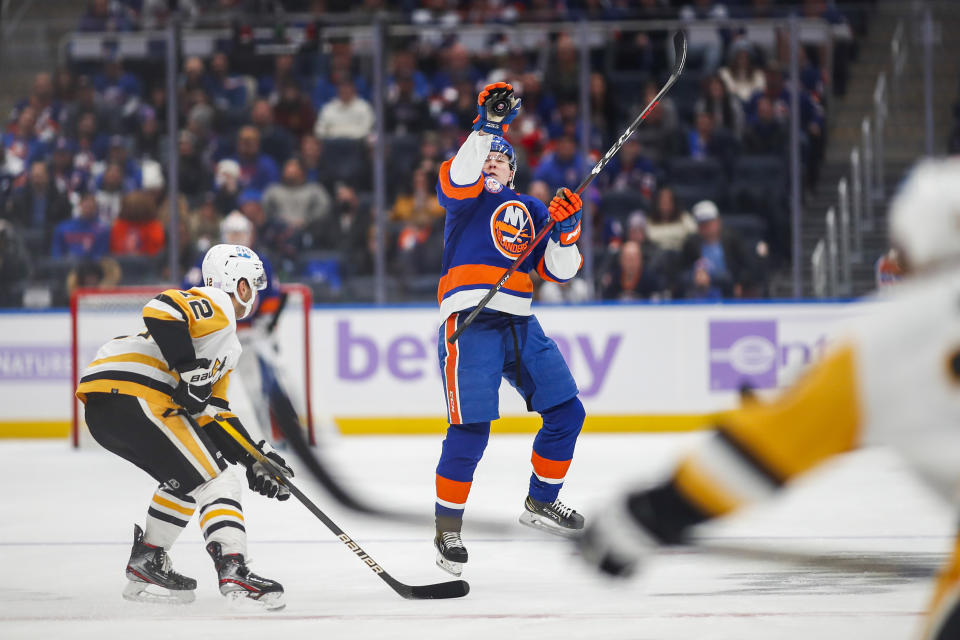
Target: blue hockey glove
(496, 108)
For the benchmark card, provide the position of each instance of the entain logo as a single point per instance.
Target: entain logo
(753, 353)
(511, 226)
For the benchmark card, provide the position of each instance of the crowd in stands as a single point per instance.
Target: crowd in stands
(694, 206)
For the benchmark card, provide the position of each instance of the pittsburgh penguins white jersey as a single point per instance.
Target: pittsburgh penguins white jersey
(135, 364)
(893, 379)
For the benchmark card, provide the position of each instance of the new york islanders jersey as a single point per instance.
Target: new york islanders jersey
(488, 226)
(135, 365)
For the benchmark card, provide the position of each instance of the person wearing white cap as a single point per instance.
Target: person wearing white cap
(713, 258)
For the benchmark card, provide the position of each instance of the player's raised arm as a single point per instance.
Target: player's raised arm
(460, 176)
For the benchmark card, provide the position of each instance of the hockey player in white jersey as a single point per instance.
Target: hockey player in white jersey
(148, 398)
(893, 380)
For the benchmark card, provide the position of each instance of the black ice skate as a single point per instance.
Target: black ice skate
(151, 576)
(554, 517)
(239, 584)
(451, 554)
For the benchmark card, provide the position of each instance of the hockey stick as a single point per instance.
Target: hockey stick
(438, 591)
(680, 48)
(287, 421)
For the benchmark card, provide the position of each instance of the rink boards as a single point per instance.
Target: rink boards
(375, 370)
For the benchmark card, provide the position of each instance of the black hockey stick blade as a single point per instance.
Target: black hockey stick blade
(443, 590)
(439, 591)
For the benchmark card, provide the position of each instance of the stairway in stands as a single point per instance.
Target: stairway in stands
(904, 139)
(32, 44)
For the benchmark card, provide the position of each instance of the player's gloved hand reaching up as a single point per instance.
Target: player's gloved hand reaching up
(496, 108)
(262, 480)
(566, 208)
(194, 389)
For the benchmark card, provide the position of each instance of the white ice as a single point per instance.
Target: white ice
(67, 521)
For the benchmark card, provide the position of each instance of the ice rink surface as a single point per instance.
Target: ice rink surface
(852, 553)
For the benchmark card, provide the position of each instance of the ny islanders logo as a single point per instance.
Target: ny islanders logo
(511, 226)
(491, 185)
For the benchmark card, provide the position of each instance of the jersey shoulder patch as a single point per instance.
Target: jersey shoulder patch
(492, 185)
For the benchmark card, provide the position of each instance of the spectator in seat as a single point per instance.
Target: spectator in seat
(765, 134)
(14, 265)
(226, 184)
(421, 197)
(714, 258)
(406, 112)
(420, 243)
(65, 178)
(101, 15)
(228, 92)
(311, 152)
(46, 108)
(257, 170)
(631, 170)
(23, 145)
(275, 141)
(120, 91)
(194, 177)
(706, 140)
(741, 77)
(137, 230)
(38, 205)
(293, 111)
(83, 236)
(346, 116)
(110, 193)
(303, 207)
(270, 86)
(104, 273)
(727, 110)
(669, 225)
(660, 126)
(628, 280)
(352, 225)
(564, 166)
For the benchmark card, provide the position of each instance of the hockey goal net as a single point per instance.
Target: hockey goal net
(98, 315)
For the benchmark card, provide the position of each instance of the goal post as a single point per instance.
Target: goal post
(98, 315)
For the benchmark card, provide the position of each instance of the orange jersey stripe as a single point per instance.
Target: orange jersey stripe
(450, 371)
(467, 274)
(553, 469)
(269, 305)
(453, 191)
(452, 490)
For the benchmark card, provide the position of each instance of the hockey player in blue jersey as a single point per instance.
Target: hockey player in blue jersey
(489, 225)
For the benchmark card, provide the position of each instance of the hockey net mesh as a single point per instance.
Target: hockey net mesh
(99, 315)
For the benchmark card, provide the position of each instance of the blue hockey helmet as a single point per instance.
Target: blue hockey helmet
(500, 145)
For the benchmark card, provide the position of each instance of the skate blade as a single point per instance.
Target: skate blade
(453, 568)
(245, 601)
(547, 525)
(155, 594)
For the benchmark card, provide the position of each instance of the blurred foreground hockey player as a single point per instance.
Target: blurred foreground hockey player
(894, 380)
(488, 226)
(136, 392)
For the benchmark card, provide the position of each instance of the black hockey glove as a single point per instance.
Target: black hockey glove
(194, 389)
(262, 480)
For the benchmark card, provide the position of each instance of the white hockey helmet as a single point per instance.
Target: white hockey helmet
(925, 215)
(226, 264)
